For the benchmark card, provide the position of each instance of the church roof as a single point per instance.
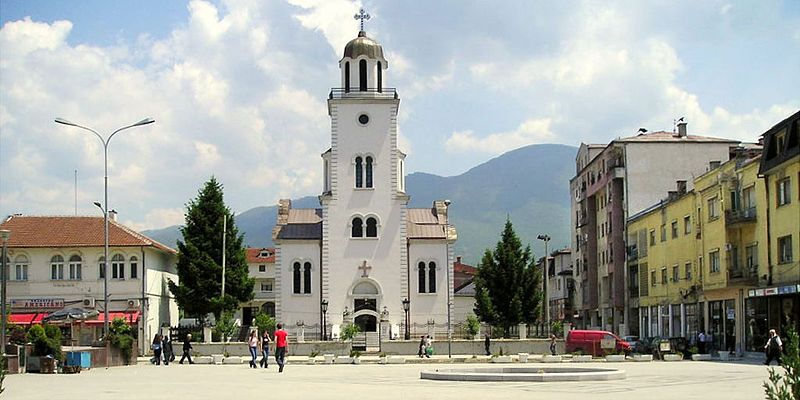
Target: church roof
(305, 215)
(423, 223)
(363, 46)
(302, 224)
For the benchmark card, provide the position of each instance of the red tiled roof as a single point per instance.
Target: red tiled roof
(72, 231)
(253, 255)
(462, 273)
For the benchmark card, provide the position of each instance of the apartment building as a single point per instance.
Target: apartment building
(261, 267)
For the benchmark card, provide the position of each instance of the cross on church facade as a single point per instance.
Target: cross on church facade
(362, 15)
(364, 269)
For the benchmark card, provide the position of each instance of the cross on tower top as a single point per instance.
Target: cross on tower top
(362, 15)
(364, 269)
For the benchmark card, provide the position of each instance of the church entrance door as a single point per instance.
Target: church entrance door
(367, 323)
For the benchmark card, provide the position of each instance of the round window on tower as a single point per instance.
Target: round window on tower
(363, 119)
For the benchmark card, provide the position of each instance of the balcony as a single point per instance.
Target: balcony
(370, 93)
(259, 295)
(741, 216)
(743, 275)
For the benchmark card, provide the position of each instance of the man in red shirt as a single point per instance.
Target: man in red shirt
(280, 346)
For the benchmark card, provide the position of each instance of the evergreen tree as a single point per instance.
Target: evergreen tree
(200, 258)
(507, 284)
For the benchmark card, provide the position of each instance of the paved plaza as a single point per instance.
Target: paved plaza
(645, 381)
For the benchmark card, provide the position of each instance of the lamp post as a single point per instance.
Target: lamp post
(449, 285)
(546, 240)
(105, 142)
(4, 235)
(406, 307)
(323, 305)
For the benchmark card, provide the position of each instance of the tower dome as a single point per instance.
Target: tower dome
(363, 46)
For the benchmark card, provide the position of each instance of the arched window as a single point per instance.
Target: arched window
(380, 78)
(307, 277)
(118, 266)
(421, 277)
(102, 267)
(369, 171)
(296, 278)
(75, 267)
(359, 173)
(57, 268)
(431, 277)
(21, 268)
(362, 75)
(347, 76)
(358, 228)
(134, 262)
(372, 227)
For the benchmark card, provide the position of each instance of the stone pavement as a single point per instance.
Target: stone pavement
(683, 380)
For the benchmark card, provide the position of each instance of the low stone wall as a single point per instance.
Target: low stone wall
(400, 347)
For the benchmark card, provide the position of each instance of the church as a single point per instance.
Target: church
(363, 257)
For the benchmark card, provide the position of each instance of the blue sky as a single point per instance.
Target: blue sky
(238, 88)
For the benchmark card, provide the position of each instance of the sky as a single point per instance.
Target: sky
(238, 89)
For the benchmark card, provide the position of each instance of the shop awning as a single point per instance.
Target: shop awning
(131, 317)
(26, 318)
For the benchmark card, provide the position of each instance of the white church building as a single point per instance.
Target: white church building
(363, 257)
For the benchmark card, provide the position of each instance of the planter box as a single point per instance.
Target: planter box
(203, 360)
(615, 357)
(395, 360)
(356, 360)
(551, 359)
(523, 357)
(312, 360)
(501, 359)
(232, 360)
(724, 356)
(701, 357)
(642, 357)
(343, 360)
(217, 358)
(329, 358)
(582, 358)
(32, 364)
(673, 357)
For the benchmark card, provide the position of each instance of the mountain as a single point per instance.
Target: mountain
(530, 185)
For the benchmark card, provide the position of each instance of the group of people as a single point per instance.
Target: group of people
(162, 348)
(425, 346)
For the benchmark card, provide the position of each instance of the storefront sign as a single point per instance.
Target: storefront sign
(37, 303)
(788, 289)
(731, 313)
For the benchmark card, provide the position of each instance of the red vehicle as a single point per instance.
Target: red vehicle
(591, 342)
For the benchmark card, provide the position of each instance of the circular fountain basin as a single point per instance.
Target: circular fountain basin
(524, 374)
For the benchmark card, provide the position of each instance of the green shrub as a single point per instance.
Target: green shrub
(472, 326)
(46, 340)
(349, 331)
(264, 323)
(119, 335)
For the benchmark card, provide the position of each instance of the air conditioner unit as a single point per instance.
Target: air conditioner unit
(133, 303)
(88, 302)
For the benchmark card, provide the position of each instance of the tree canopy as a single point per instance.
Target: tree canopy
(508, 284)
(199, 287)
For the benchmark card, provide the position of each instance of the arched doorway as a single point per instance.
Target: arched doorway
(366, 322)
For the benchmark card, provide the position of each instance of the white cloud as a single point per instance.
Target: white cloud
(529, 132)
(334, 18)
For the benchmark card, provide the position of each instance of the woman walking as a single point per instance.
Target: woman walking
(157, 348)
(166, 348)
(265, 349)
(252, 343)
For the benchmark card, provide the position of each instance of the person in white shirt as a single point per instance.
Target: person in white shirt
(773, 348)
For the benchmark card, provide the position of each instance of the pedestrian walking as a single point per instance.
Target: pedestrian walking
(169, 355)
(701, 342)
(428, 346)
(487, 342)
(280, 347)
(156, 346)
(552, 344)
(252, 344)
(773, 348)
(187, 349)
(421, 351)
(265, 339)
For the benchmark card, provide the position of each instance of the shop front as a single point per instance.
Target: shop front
(771, 308)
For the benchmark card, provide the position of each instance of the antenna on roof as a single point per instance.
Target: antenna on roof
(642, 130)
(675, 124)
(76, 192)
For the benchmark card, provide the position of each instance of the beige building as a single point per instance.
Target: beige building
(56, 262)
(261, 266)
(611, 182)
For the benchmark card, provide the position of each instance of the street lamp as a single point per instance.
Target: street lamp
(4, 235)
(324, 306)
(105, 142)
(406, 307)
(546, 240)
(449, 285)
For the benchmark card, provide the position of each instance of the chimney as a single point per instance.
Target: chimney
(112, 215)
(681, 129)
(681, 187)
(458, 260)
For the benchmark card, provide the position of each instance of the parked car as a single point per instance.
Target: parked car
(633, 341)
(653, 345)
(591, 342)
